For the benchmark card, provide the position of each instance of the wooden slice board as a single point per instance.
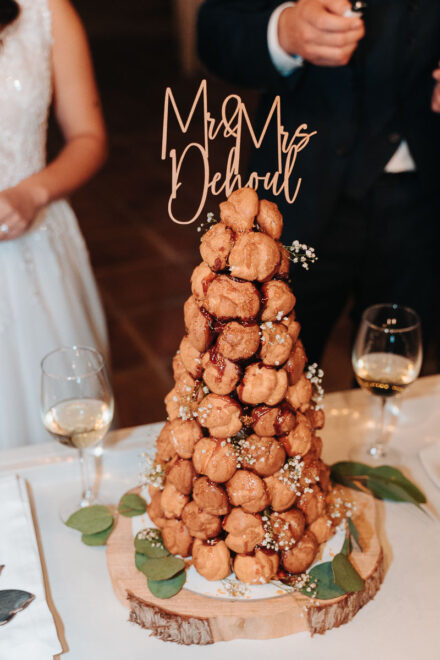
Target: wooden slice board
(191, 618)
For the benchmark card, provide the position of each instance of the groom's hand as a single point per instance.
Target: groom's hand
(319, 32)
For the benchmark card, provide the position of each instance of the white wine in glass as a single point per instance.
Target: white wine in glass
(387, 357)
(79, 423)
(76, 405)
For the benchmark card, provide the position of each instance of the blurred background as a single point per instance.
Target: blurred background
(142, 260)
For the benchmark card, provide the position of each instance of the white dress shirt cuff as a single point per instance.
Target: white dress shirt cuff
(284, 63)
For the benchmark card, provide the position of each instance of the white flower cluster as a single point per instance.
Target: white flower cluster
(315, 375)
(296, 583)
(240, 444)
(300, 253)
(152, 473)
(340, 508)
(202, 413)
(207, 224)
(235, 588)
(269, 540)
(188, 406)
(152, 535)
(291, 473)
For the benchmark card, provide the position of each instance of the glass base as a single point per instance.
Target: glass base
(373, 455)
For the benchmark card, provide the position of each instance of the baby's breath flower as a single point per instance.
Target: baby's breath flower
(296, 582)
(151, 472)
(291, 472)
(207, 224)
(301, 253)
(269, 540)
(235, 588)
(315, 375)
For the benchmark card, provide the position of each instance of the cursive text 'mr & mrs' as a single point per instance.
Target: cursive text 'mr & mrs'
(234, 119)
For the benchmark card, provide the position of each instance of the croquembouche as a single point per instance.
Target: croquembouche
(239, 483)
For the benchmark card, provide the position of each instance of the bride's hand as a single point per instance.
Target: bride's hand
(18, 207)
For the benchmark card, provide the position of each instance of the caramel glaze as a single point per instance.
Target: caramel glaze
(207, 316)
(283, 411)
(218, 325)
(217, 359)
(258, 413)
(197, 386)
(261, 548)
(217, 265)
(205, 285)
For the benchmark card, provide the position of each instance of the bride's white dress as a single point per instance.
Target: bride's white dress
(48, 295)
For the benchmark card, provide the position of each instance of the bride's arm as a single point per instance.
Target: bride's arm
(78, 112)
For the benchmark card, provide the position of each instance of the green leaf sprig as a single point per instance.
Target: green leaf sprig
(384, 482)
(94, 522)
(165, 573)
(132, 505)
(335, 578)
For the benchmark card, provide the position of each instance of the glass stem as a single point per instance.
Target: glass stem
(378, 449)
(86, 489)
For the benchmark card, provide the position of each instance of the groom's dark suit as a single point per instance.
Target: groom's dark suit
(375, 232)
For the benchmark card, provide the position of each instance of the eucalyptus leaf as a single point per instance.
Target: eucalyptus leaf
(162, 568)
(167, 588)
(396, 477)
(345, 575)
(91, 519)
(132, 505)
(139, 559)
(152, 549)
(346, 548)
(351, 469)
(344, 481)
(354, 532)
(97, 539)
(384, 489)
(384, 481)
(326, 588)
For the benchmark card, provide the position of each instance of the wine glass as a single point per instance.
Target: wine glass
(387, 357)
(76, 406)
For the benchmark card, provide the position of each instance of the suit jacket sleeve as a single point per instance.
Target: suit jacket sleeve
(232, 42)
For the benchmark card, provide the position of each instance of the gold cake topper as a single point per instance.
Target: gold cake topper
(232, 124)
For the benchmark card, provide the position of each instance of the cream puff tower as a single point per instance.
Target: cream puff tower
(240, 484)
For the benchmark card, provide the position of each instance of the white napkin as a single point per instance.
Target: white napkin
(430, 457)
(31, 634)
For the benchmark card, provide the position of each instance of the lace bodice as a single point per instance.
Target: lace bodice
(25, 92)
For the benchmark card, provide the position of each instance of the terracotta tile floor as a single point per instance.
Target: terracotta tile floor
(142, 261)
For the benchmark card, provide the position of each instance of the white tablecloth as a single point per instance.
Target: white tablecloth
(401, 623)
